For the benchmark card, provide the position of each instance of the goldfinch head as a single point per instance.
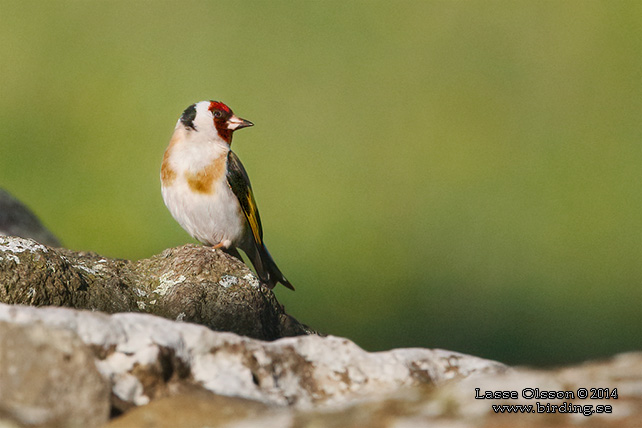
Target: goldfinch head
(213, 119)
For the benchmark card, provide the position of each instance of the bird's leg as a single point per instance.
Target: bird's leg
(219, 245)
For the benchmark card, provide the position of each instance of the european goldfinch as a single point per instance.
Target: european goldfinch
(207, 190)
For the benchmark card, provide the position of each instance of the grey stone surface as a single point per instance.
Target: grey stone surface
(450, 404)
(48, 377)
(147, 357)
(165, 373)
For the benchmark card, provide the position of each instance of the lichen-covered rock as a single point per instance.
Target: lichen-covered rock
(209, 287)
(147, 357)
(37, 275)
(189, 283)
(48, 377)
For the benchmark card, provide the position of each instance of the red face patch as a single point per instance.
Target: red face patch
(220, 119)
(216, 105)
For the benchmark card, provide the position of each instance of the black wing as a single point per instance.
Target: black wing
(239, 182)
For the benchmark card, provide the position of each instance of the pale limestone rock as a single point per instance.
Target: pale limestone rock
(146, 357)
(165, 373)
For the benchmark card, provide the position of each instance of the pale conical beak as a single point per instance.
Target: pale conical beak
(234, 123)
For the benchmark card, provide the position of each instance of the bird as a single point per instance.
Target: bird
(207, 189)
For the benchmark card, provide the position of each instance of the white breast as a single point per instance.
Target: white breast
(213, 217)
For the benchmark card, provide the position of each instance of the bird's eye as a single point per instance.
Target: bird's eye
(218, 114)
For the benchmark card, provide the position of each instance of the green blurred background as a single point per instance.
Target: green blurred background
(463, 175)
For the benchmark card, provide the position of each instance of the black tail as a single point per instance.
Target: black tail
(266, 269)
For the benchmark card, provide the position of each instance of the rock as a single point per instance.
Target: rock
(189, 283)
(449, 404)
(147, 358)
(18, 220)
(166, 373)
(48, 378)
(623, 372)
(202, 409)
(453, 404)
(9, 421)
